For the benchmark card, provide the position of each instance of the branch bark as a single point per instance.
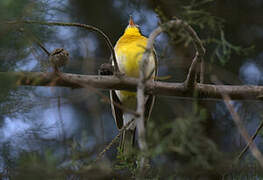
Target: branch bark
(203, 91)
(140, 121)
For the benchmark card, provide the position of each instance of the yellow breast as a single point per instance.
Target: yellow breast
(129, 50)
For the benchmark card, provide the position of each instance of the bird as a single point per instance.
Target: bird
(129, 50)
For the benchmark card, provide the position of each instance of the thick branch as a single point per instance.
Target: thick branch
(125, 83)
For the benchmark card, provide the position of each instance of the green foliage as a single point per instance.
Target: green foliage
(210, 29)
(126, 162)
(224, 49)
(185, 138)
(12, 100)
(14, 43)
(195, 13)
(7, 159)
(33, 165)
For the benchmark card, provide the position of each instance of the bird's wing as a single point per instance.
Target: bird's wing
(116, 111)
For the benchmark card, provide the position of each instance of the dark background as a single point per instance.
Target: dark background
(58, 122)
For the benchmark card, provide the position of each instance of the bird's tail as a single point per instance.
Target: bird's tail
(127, 141)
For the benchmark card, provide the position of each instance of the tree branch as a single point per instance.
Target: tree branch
(241, 128)
(242, 92)
(143, 79)
(85, 26)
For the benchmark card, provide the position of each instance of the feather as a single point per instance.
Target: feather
(129, 50)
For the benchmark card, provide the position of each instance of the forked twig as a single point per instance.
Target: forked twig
(199, 57)
(142, 80)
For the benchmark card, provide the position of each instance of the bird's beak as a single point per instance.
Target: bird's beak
(131, 22)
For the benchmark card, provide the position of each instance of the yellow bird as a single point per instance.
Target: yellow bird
(129, 50)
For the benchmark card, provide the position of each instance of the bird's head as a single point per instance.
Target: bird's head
(132, 28)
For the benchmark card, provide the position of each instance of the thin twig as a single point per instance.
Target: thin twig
(85, 26)
(190, 79)
(35, 40)
(251, 140)
(100, 155)
(197, 42)
(42, 47)
(200, 52)
(242, 130)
